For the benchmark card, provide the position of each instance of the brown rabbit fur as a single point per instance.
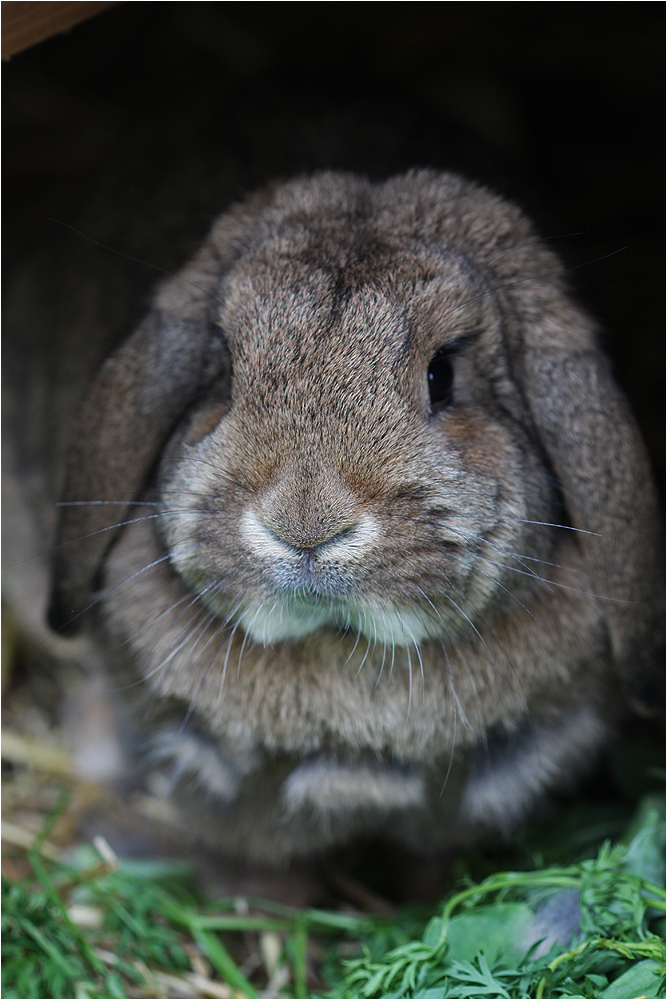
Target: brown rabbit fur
(401, 558)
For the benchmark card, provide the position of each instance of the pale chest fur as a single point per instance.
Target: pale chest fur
(344, 693)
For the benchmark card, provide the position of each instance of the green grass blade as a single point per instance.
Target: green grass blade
(223, 962)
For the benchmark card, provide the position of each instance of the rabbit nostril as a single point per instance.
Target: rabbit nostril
(340, 536)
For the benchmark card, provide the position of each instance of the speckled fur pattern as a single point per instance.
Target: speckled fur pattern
(370, 613)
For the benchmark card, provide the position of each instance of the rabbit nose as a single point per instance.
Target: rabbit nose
(307, 543)
(303, 539)
(308, 508)
(274, 539)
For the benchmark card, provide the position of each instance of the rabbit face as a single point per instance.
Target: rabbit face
(343, 488)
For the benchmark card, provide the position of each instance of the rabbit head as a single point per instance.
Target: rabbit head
(370, 418)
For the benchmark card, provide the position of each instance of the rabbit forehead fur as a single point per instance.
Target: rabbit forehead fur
(329, 447)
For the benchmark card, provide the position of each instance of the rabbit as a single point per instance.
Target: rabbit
(362, 525)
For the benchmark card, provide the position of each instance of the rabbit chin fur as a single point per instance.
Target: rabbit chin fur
(360, 606)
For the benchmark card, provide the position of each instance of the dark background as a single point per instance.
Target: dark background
(142, 124)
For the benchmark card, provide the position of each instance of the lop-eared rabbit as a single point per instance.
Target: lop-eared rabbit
(360, 523)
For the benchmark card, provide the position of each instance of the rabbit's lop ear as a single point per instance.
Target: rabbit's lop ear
(599, 458)
(131, 407)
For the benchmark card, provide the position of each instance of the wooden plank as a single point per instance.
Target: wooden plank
(25, 24)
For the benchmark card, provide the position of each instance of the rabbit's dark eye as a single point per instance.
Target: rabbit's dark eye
(440, 379)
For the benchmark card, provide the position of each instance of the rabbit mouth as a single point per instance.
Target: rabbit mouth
(299, 615)
(289, 619)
